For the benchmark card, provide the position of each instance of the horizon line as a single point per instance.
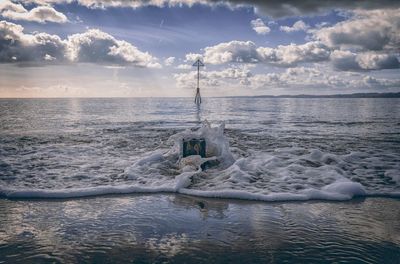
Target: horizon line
(234, 96)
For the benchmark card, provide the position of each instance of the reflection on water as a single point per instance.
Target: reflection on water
(198, 114)
(176, 228)
(213, 208)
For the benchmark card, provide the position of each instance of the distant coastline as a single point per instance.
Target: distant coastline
(353, 95)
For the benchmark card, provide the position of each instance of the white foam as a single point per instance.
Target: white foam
(283, 174)
(81, 192)
(348, 188)
(217, 145)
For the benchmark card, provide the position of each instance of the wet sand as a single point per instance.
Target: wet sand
(183, 229)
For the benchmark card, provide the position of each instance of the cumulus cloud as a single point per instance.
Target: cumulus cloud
(92, 46)
(297, 26)
(283, 55)
(169, 61)
(271, 8)
(291, 77)
(349, 61)
(291, 55)
(16, 46)
(247, 52)
(99, 47)
(192, 57)
(184, 67)
(311, 72)
(241, 77)
(375, 61)
(40, 14)
(231, 75)
(233, 51)
(344, 60)
(373, 82)
(11, 6)
(259, 26)
(268, 80)
(367, 30)
(368, 40)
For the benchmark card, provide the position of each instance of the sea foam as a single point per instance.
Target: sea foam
(282, 174)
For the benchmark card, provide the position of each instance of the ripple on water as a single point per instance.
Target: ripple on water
(176, 228)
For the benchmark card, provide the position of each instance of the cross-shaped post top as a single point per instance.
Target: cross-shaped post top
(198, 63)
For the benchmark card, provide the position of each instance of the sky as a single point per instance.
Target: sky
(146, 48)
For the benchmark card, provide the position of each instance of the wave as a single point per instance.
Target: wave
(339, 191)
(285, 174)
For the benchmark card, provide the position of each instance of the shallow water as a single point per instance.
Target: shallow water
(185, 229)
(283, 149)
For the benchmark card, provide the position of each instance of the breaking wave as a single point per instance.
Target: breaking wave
(280, 174)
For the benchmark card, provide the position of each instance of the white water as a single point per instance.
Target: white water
(253, 168)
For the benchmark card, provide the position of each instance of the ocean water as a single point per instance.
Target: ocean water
(167, 228)
(269, 149)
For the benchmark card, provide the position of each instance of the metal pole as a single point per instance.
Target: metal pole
(197, 98)
(198, 75)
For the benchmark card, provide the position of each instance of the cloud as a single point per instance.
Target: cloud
(297, 77)
(233, 51)
(293, 54)
(259, 26)
(283, 55)
(349, 61)
(311, 72)
(344, 60)
(301, 78)
(242, 77)
(376, 61)
(40, 14)
(184, 67)
(373, 82)
(268, 80)
(271, 8)
(293, 8)
(169, 61)
(192, 57)
(231, 75)
(96, 46)
(380, 83)
(247, 52)
(92, 46)
(297, 26)
(8, 5)
(15, 46)
(238, 77)
(367, 30)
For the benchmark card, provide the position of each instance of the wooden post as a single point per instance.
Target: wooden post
(194, 146)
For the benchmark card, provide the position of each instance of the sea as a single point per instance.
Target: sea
(268, 149)
(284, 180)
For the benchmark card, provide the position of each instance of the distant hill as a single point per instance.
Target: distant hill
(354, 95)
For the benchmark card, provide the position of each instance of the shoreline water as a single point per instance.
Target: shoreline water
(291, 147)
(104, 191)
(179, 228)
(199, 197)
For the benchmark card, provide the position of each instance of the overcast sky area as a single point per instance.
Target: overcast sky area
(138, 48)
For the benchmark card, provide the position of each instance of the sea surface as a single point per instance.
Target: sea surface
(175, 228)
(325, 174)
(269, 149)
